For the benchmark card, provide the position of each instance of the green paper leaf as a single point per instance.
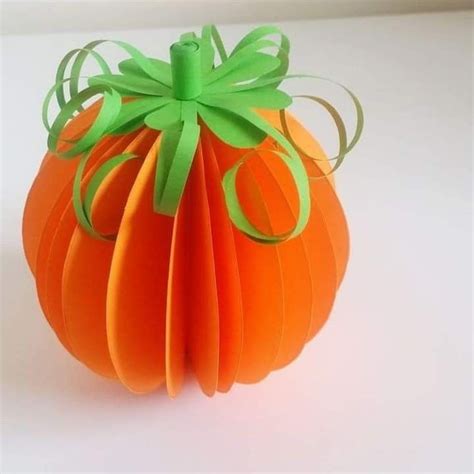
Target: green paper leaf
(242, 57)
(230, 127)
(175, 156)
(136, 109)
(272, 82)
(247, 68)
(165, 117)
(130, 85)
(162, 68)
(144, 63)
(264, 98)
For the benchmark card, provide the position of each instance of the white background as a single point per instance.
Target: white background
(386, 386)
(32, 17)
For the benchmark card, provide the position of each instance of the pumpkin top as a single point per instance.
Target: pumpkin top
(180, 97)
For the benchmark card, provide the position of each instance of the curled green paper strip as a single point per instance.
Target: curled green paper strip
(177, 98)
(83, 209)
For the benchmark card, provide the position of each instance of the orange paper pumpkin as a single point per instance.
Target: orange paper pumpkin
(189, 291)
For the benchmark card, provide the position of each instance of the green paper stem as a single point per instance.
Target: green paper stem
(186, 69)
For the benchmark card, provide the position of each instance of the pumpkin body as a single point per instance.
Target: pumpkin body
(190, 291)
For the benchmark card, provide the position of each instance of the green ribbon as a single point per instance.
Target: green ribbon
(176, 98)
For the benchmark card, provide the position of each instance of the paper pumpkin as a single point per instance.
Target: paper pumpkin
(185, 225)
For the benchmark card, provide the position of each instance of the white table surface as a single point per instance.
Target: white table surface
(386, 386)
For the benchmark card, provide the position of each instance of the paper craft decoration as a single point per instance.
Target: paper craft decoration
(185, 221)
